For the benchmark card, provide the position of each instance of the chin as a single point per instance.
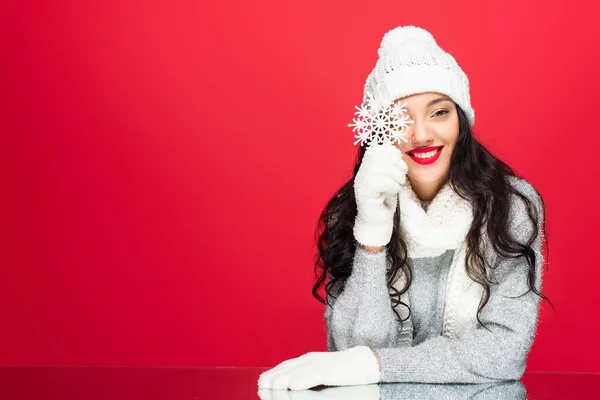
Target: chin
(430, 177)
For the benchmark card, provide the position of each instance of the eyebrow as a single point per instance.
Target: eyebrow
(432, 102)
(435, 101)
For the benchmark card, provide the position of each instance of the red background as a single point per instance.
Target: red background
(163, 166)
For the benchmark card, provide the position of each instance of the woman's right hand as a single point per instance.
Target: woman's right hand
(376, 188)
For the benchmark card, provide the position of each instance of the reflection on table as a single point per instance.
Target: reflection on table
(233, 383)
(512, 390)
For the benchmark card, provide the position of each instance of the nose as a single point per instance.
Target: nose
(419, 134)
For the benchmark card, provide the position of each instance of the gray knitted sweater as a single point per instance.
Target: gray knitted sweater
(362, 314)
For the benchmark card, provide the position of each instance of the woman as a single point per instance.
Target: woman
(433, 250)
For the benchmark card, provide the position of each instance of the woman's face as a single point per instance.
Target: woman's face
(435, 129)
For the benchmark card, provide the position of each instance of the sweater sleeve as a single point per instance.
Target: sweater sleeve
(362, 314)
(480, 355)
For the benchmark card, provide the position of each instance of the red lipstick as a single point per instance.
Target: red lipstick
(425, 161)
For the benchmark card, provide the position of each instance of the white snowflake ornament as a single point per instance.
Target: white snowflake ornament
(374, 123)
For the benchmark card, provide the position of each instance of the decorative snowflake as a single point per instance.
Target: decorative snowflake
(379, 124)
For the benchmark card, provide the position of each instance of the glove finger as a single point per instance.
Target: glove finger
(265, 394)
(387, 154)
(280, 394)
(398, 161)
(394, 162)
(266, 378)
(395, 172)
(386, 151)
(308, 376)
(282, 379)
(379, 147)
(377, 185)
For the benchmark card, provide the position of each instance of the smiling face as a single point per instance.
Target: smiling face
(431, 137)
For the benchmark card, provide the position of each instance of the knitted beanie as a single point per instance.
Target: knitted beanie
(411, 62)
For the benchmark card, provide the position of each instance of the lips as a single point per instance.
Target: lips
(424, 149)
(425, 161)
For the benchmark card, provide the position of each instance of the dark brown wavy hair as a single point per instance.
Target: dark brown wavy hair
(489, 195)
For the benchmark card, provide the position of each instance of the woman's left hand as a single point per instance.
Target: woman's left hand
(354, 366)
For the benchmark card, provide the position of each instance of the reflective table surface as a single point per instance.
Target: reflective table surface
(217, 383)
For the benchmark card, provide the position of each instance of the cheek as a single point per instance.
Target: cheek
(452, 144)
(451, 148)
(454, 130)
(454, 139)
(451, 137)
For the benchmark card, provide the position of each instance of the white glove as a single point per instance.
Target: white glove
(376, 188)
(355, 366)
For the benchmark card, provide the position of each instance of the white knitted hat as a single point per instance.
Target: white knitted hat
(411, 62)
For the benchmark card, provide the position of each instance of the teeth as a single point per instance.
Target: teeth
(426, 155)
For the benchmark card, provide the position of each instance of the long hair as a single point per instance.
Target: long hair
(489, 195)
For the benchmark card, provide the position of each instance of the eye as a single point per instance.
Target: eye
(439, 111)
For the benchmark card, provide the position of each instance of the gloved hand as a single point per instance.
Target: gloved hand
(355, 366)
(376, 188)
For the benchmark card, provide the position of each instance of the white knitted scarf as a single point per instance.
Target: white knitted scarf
(430, 233)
